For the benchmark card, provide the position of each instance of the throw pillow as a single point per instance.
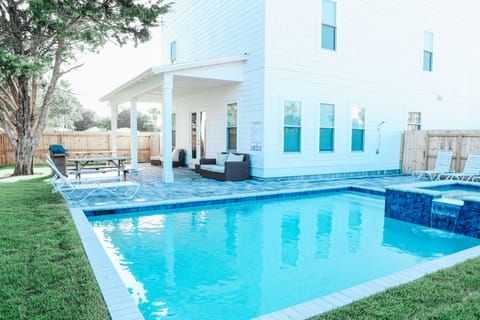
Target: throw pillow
(221, 158)
(234, 157)
(175, 154)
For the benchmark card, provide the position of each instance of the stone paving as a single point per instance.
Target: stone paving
(189, 185)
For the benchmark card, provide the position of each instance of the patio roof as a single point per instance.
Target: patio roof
(160, 85)
(189, 78)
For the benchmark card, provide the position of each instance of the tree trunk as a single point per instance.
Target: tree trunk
(24, 154)
(26, 142)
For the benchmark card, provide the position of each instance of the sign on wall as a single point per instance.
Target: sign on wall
(256, 136)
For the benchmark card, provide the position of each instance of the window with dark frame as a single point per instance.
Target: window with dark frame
(174, 130)
(232, 109)
(327, 127)
(329, 25)
(358, 128)
(292, 121)
(428, 51)
(173, 52)
(414, 121)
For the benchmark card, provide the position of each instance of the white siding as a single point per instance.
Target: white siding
(215, 29)
(377, 65)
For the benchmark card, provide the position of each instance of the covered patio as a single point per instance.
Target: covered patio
(164, 84)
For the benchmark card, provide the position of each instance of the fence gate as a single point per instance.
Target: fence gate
(420, 148)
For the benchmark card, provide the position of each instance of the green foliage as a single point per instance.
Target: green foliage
(35, 31)
(144, 121)
(44, 271)
(87, 120)
(15, 65)
(65, 108)
(39, 42)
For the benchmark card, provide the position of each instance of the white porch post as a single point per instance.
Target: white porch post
(113, 132)
(133, 132)
(167, 173)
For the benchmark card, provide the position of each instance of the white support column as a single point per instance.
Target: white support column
(167, 173)
(133, 129)
(113, 133)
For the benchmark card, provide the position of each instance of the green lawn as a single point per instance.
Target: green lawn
(44, 273)
(453, 293)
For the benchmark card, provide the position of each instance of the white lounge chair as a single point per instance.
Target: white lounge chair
(80, 191)
(471, 171)
(442, 166)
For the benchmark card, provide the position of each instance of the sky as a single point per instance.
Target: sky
(110, 68)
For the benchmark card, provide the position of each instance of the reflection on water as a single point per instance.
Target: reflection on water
(290, 237)
(247, 259)
(323, 234)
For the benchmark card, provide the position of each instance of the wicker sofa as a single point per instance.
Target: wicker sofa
(226, 167)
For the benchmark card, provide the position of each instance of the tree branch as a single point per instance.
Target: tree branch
(41, 122)
(8, 98)
(70, 69)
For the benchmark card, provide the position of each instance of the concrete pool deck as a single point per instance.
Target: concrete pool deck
(188, 185)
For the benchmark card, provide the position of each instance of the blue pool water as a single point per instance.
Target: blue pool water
(242, 260)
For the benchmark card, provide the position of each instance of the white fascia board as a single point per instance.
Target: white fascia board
(127, 90)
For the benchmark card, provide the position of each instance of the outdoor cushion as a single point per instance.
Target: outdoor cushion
(235, 158)
(175, 154)
(213, 168)
(221, 158)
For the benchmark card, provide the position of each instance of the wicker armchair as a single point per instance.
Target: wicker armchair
(233, 171)
(178, 160)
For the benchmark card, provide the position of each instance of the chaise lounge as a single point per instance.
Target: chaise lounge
(225, 166)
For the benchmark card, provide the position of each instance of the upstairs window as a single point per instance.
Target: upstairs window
(414, 121)
(358, 128)
(329, 25)
(428, 51)
(173, 52)
(327, 127)
(292, 122)
(231, 127)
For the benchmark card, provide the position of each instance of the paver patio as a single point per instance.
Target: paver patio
(189, 185)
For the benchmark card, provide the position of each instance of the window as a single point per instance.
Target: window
(414, 121)
(173, 51)
(292, 119)
(174, 130)
(329, 25)
(232, 127)
(327, 127)
(428, 51)
(358, 129)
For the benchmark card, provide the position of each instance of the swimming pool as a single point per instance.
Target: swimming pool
(251, 258)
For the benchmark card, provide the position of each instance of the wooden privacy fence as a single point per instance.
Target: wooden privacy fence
(83, 142)
(419, 148)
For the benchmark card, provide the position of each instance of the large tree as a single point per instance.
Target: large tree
(39, 40)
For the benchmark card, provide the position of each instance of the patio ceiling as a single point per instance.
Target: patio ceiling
(188, 79)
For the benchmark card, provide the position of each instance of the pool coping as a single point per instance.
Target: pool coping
(121, 305)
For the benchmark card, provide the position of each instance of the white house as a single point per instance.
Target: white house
(311, 87)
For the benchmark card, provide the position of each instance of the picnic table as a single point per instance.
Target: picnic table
(100, 165)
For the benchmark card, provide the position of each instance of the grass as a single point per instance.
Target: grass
(44, 273)
(453, 293)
